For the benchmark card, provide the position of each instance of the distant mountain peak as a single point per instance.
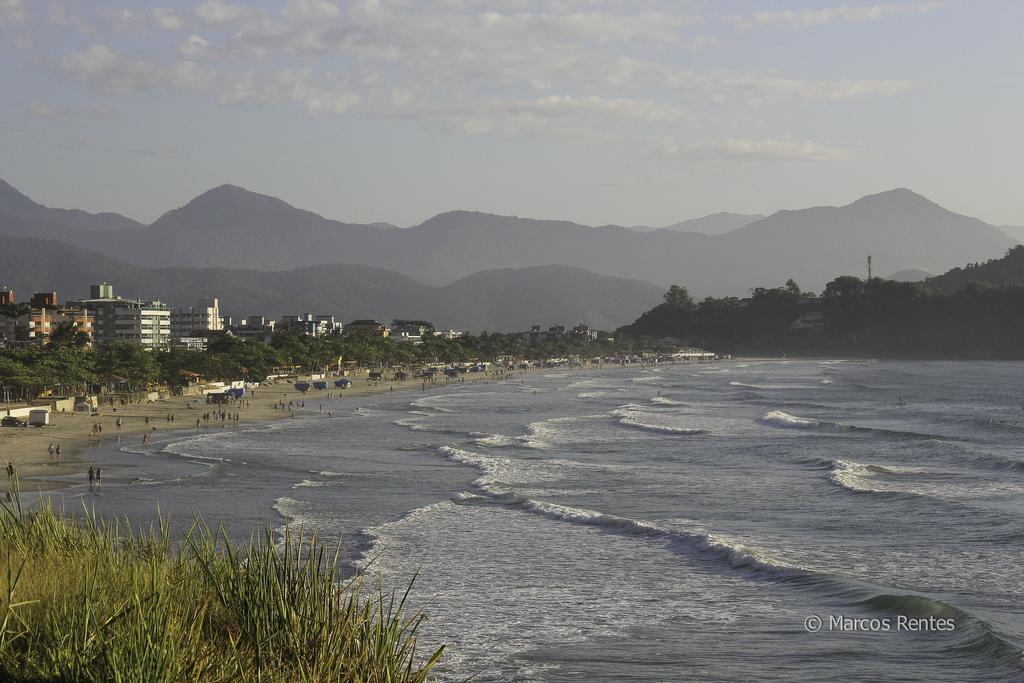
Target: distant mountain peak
(899, 196)
(228, 194)
(223, 206)
(13, 200)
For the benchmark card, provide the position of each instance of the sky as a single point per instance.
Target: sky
(632, 112)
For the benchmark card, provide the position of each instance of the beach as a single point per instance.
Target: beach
(27, 447)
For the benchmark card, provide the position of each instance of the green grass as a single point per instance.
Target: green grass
(88, 599)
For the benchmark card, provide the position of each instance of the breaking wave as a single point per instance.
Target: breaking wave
(856, 477)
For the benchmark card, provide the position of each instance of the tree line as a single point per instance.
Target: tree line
(852, 316)
(67, 365)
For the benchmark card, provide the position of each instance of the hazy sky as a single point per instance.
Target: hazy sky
(617, 111)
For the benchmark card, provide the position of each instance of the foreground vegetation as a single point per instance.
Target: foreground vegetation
(84, 599)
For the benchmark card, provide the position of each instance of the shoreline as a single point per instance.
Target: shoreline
(26, 447)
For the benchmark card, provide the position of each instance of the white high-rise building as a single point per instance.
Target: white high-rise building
(115, 319)
(204, 316)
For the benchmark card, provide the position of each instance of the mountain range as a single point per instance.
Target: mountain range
(497, 300)
(230, 227)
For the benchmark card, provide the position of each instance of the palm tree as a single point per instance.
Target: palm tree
(66, 333)
(15, 310)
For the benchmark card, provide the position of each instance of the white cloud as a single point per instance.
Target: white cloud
(238, 88)
(809, 18)
(747, 149)
(559, 116)
(52, 112)
(310, 9)
(12, 12)
(582, 69)
(195, 47)
(219, 13)
(107, 70)
(167, 19)
(43, 110)
(315, 98)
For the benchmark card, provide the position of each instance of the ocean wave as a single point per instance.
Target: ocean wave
(651, 379)
(377, 537)
(416, 425)
(661, 400)
(598, 394)
(662, 429)
(891, 480)
(972, 633)
(975, 636)
(313, 483)
(856, 477)
(771, 387)
(496, 440)
(298, 515)
(735, 554)
(500, 473)
(781, 418)
(639, 417)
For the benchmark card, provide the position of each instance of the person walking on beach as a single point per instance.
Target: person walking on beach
(50, 450)
(92, 477)
(59, 453)
(118, 424)
(99, 476)
(10, 470)
(145, 439)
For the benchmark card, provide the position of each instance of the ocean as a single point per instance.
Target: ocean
(732, 521)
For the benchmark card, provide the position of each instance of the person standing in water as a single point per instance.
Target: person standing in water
(99, 476)
(92, 477)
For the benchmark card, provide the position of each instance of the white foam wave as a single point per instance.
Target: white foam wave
(663, 429)
(650, 379)
(380, 535)
(298, 515)
(892, 479)
(661, 400)
(312, 483)
(500, 473)
(597, 394)
(771, 387)
(738, 555)
(780, 418)
(496, 440)
(640, 417)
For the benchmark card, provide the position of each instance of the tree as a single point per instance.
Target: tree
(66, 333)
(678, 296)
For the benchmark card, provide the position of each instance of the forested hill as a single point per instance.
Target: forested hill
(852, 318)
(1008, 270)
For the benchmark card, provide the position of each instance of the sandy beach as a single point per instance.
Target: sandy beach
(27, 447)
